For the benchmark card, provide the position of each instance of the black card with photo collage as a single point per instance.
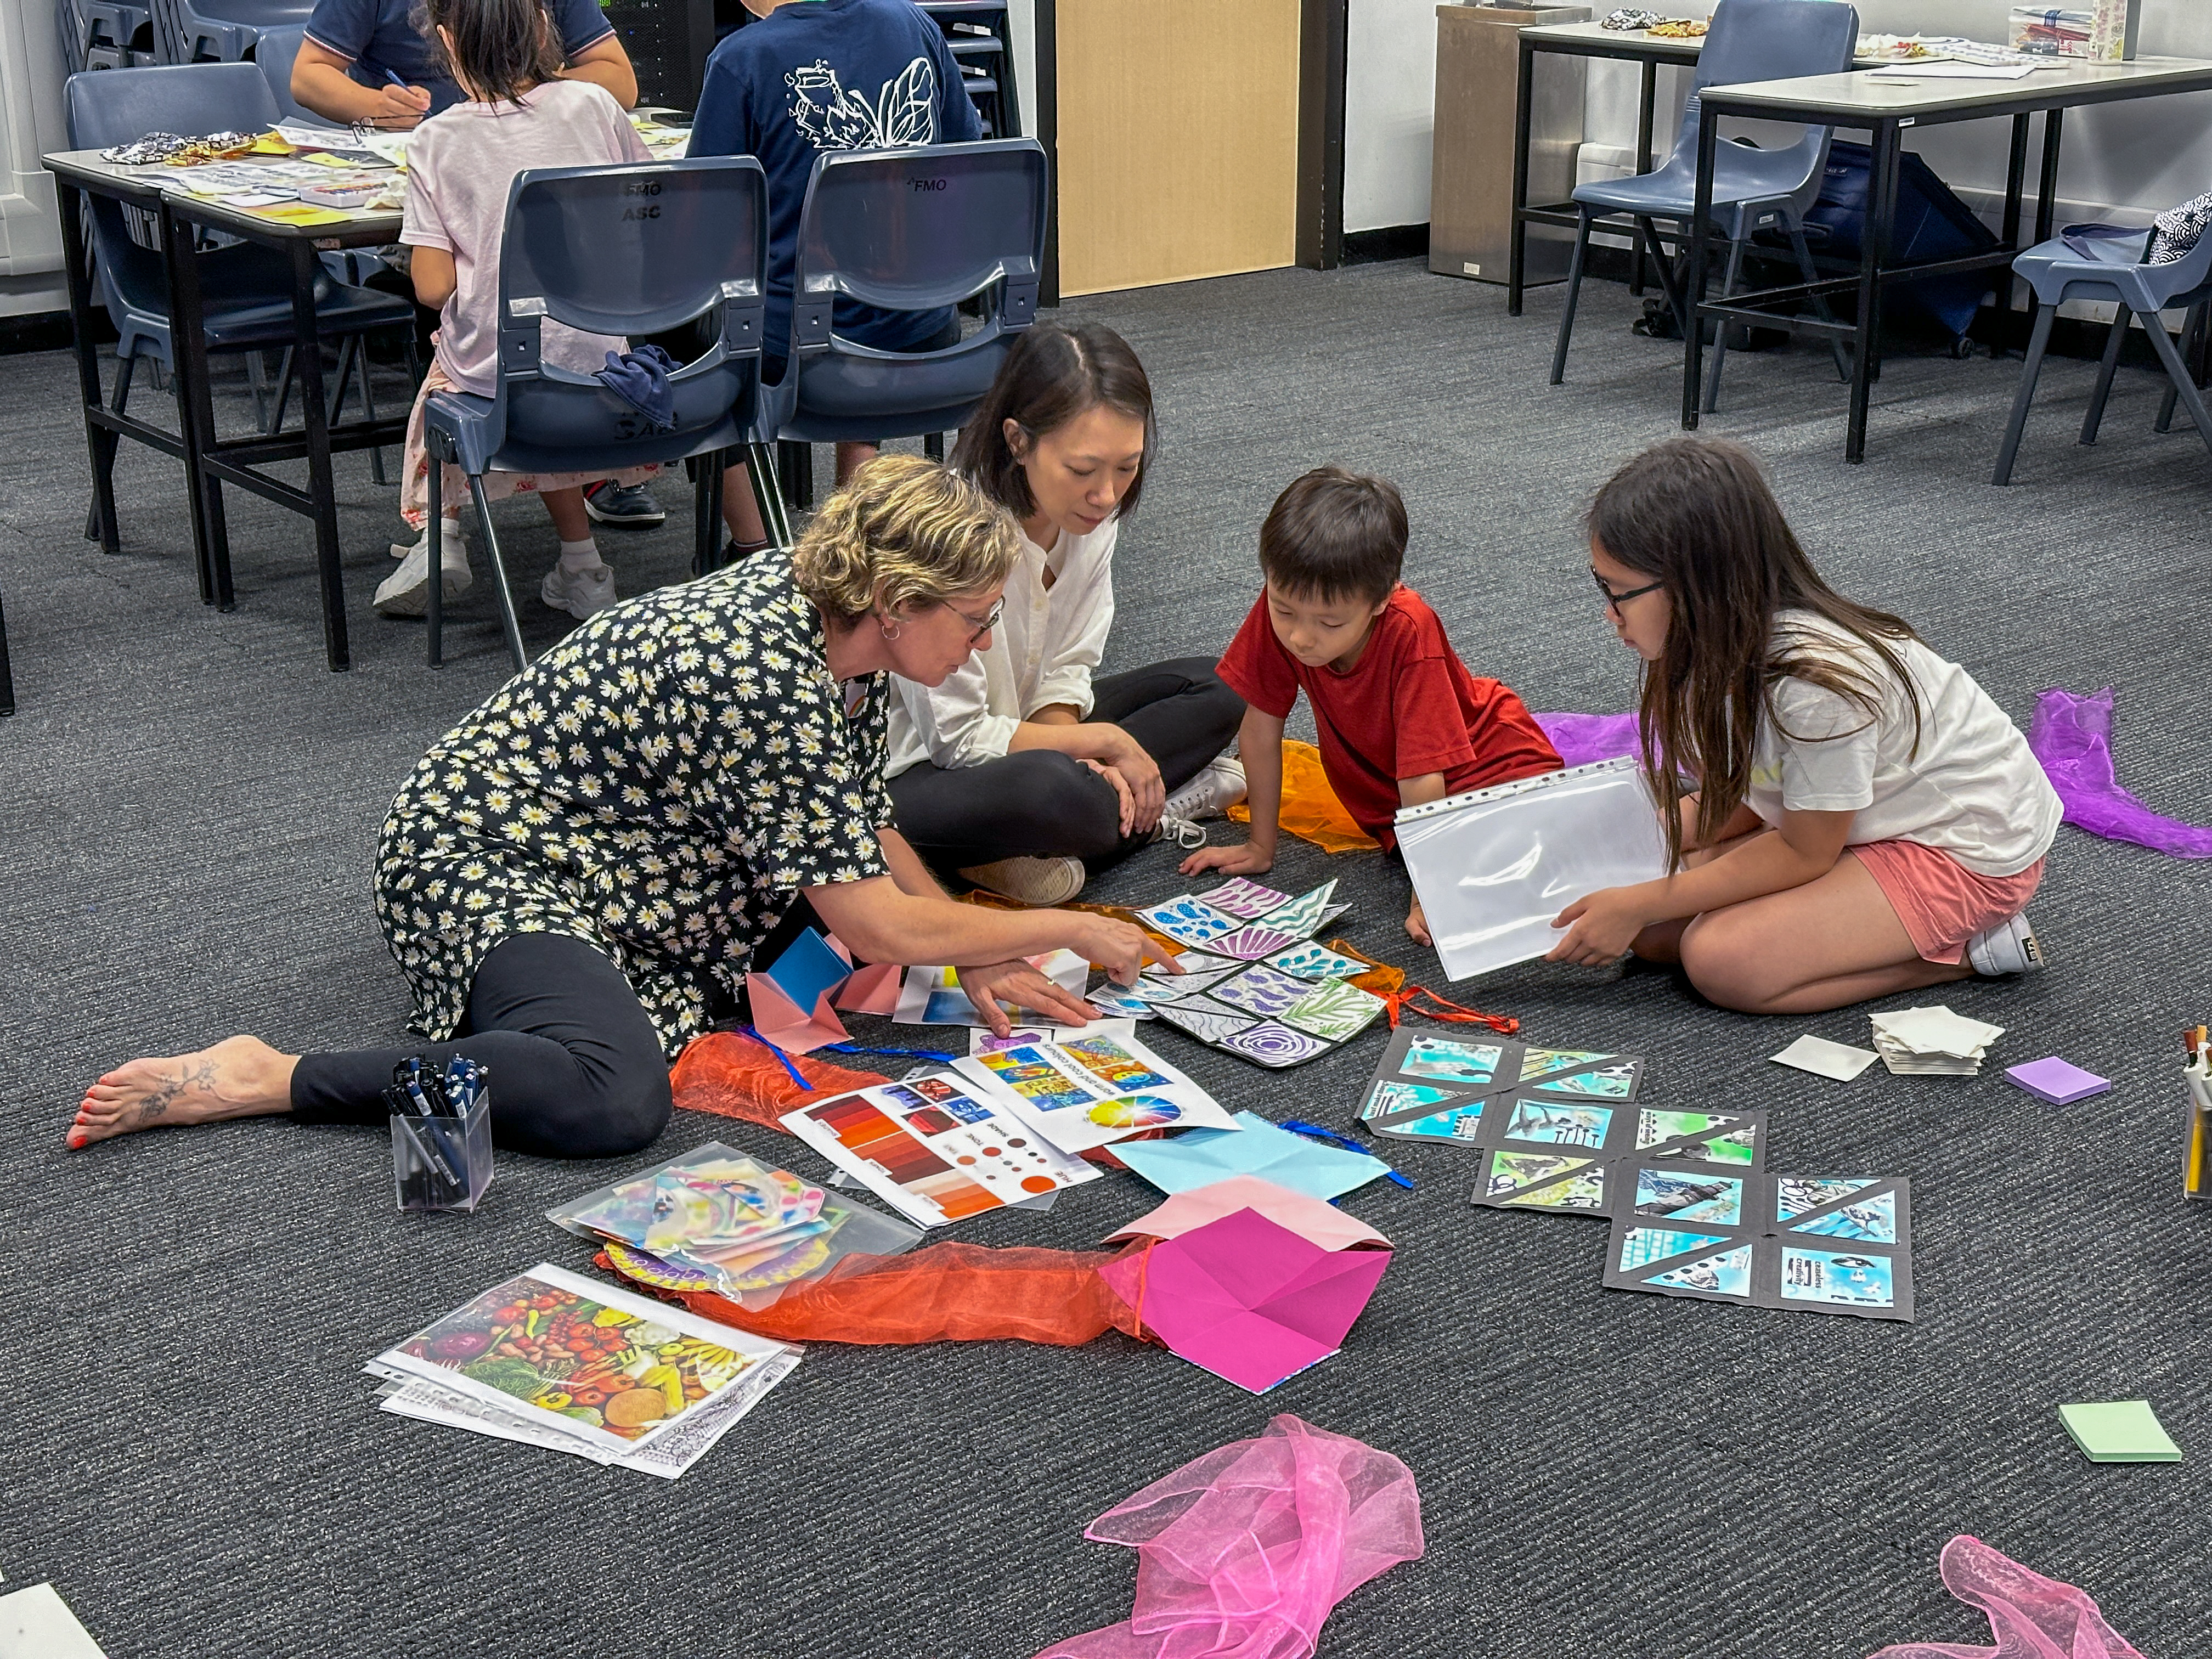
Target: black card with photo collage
(1437, 1086)
(1545, 1155)
(1839, 1244)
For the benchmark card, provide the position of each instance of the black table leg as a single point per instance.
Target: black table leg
(98, 440)
(1516, 240)
(188, 361)
(7, 673)
(2016, 187)
(307, 362)
(2046, 191)
(1644, 117)
(706, 512)
(1694, 287)
(1874, 255)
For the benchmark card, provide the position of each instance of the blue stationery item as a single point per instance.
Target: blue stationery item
(807, 968)
(1197, 1157)
(1329, 1137)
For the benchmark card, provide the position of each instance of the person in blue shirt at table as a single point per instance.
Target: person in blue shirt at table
(810, 76)
(365, 63)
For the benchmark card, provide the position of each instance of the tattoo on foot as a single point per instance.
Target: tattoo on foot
(165, 1094)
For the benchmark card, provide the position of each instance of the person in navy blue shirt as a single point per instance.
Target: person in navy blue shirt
(810, 76)
(354, 47)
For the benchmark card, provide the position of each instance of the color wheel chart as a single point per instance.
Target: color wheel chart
(1135, 1112)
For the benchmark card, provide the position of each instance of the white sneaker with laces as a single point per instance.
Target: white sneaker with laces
(1182, 831)
(2010, 947)
(406, 591)
(1042, 883)
(401, 550)
(581, 594)
(1216, 788)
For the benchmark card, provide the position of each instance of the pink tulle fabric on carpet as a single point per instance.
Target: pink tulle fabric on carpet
(2032, 1617)
(1242, 1553)
(2072, 735)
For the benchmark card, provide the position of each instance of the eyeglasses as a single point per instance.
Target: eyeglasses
(979, 626)
(1614, 601)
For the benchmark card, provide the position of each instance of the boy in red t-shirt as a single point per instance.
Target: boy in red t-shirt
(1402, 721)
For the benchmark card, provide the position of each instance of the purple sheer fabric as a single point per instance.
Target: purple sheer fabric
(2071, 736)
(2031, 1616)
(1242, 1553)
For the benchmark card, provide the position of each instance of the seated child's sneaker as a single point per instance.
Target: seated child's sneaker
(406, 591)
(582, 593)
(2010, 947)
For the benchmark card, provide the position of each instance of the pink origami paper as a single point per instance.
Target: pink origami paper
(1243, 1553)
(1245, 1299)
(1317, 1223)
(2032, 1617)
(871, 990)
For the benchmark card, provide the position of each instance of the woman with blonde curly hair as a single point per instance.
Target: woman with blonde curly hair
(576, 879)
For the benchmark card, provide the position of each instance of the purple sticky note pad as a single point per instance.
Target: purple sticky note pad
(2054, 1080)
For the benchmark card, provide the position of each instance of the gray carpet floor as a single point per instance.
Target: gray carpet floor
(189, 803)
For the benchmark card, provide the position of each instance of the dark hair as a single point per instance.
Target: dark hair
(502, 48)
(1055, 372)
(1336, 534)
(1697, 514)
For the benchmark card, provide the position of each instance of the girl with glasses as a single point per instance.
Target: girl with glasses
(1847, 814)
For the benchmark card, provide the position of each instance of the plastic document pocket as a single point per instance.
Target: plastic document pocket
(1494, 866)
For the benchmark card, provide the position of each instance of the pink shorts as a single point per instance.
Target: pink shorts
(1941, 903)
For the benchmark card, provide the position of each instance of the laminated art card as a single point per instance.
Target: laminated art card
(1231, 920)
(1555, 1155)
(936, 1148)
(1819, 1244)
(1083, 1091)
(1434, 1085)
(1263, 1011)
(604, 1366)
(933, 996)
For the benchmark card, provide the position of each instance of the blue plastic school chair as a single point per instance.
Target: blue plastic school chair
(914, 229)
(247, 289)
(2070, 267)
(101, 35)
(1752, 189)
(219, 31)
(629, 249)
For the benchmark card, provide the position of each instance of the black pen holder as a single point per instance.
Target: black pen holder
(441, 1163)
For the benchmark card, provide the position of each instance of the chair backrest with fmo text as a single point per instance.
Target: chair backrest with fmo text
(1772, 40)
(108, 107)
(634, 249)
(913, 230)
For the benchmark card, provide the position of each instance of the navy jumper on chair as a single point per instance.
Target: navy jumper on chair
(1752, 189)
(2071, 267)
(914, 229)
(630, 249)
(249, 289)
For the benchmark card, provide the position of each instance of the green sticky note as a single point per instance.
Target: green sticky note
(2119, 1432)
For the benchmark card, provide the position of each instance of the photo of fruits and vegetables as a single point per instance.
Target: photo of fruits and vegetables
(563, 1353)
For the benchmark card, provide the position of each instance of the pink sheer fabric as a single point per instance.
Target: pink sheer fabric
(2031, 1616)
(1242, 1553)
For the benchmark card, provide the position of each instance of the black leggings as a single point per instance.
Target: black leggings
(576, 1067)
(1039, 803)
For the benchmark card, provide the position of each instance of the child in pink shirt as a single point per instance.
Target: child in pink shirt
(461, 163)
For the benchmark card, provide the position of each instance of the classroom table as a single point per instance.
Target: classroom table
(210, 461)
(1583, 40)
(1886, 106)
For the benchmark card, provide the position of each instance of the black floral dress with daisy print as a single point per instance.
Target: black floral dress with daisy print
(660, 785)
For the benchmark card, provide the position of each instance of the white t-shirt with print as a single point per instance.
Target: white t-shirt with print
(460, 164)
(1972, 788)
(1043, 652)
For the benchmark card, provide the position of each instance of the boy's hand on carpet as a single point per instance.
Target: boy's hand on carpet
(1417, 925)
(1245, 860)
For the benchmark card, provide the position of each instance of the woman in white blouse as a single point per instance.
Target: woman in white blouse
(1021, 770)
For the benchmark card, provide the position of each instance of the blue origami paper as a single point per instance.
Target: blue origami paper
(1197, 1157)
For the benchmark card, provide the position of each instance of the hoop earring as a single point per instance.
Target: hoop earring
(886, 630)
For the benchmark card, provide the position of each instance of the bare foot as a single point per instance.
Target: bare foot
(238, 1077)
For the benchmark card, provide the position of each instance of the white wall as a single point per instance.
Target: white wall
(1021, 23)
(1389, 109)
(30, 124)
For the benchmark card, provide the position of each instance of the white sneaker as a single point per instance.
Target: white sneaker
(1043, 883)
(406, 591)
(581, 594)
(1219, 787)
(2010, 947)
(401, 550)
(1182, 831)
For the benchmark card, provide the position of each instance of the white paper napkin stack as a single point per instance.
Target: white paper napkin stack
(1932, 1042)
